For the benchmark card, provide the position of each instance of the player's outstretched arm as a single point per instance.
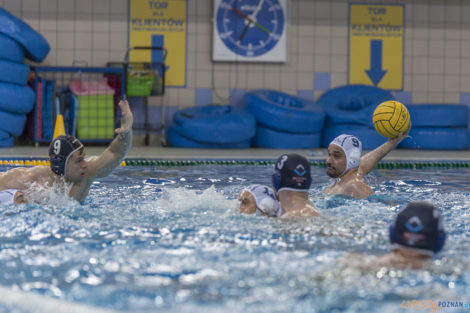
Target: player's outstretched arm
(112, 157)
(370, 159)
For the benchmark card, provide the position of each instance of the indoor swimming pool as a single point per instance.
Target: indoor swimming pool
(170, 239)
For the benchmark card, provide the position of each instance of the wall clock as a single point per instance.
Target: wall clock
(250, 30)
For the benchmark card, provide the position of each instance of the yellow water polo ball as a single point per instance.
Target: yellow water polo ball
(391, 118)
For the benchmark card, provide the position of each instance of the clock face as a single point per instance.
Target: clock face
(250, 28)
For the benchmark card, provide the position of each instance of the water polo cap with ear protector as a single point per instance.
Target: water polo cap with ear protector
(352, 148)
(418, 226)
(265, 200)
(291, 172)
(60, 150)
(7, 196)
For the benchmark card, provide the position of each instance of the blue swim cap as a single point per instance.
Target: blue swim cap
(419, 227)
(60, 150)
(291, 172)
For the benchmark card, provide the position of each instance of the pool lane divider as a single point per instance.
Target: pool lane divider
(314, 163)
(30, 162)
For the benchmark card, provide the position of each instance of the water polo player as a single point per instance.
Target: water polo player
(346, 166)
(291, 181)
(259, 198)
(69, 166)
(418, 230)
(416, 234)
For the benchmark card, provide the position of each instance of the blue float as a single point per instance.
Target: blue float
(4, 135)
(11, 50)
(6, 139)
(14, 73)
(217, 124)
(12, 123)
(273, 139)
(176, 139)
(438, 115)
(369, 137)
(34, 43)
(434, 138)
(352, 104)
(7, 142)
(283, 112)
(16, 98)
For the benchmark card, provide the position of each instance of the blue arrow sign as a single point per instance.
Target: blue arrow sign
(376, 73)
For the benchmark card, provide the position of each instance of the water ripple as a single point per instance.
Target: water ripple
(172, 239)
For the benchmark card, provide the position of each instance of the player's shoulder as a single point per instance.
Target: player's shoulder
(357, 188)
(18, 177)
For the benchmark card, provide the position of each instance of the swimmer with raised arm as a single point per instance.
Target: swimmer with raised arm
(346, 166)
(69, 166)
(291, 182)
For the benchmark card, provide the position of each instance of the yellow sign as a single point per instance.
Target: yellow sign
(160, 24)
(376, 45)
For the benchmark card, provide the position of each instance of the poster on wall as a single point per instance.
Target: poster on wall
(250, 30)
(376, 43)
(160, 24)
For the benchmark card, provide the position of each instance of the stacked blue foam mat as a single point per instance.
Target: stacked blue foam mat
(211, 127)
(438, 127)
(284, 121)
(349, 110)
(17, 42)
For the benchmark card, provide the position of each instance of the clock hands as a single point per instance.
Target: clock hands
(250, 20)
(251, 28)
(244, 32)
(252, 16)
(255, 12)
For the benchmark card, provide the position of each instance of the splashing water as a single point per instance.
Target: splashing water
(55, 195)
(172, 239)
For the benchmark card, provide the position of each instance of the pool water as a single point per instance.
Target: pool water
(171, 239)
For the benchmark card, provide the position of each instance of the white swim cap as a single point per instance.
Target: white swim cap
(265, 200)
(352, 148)
(7, 196)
